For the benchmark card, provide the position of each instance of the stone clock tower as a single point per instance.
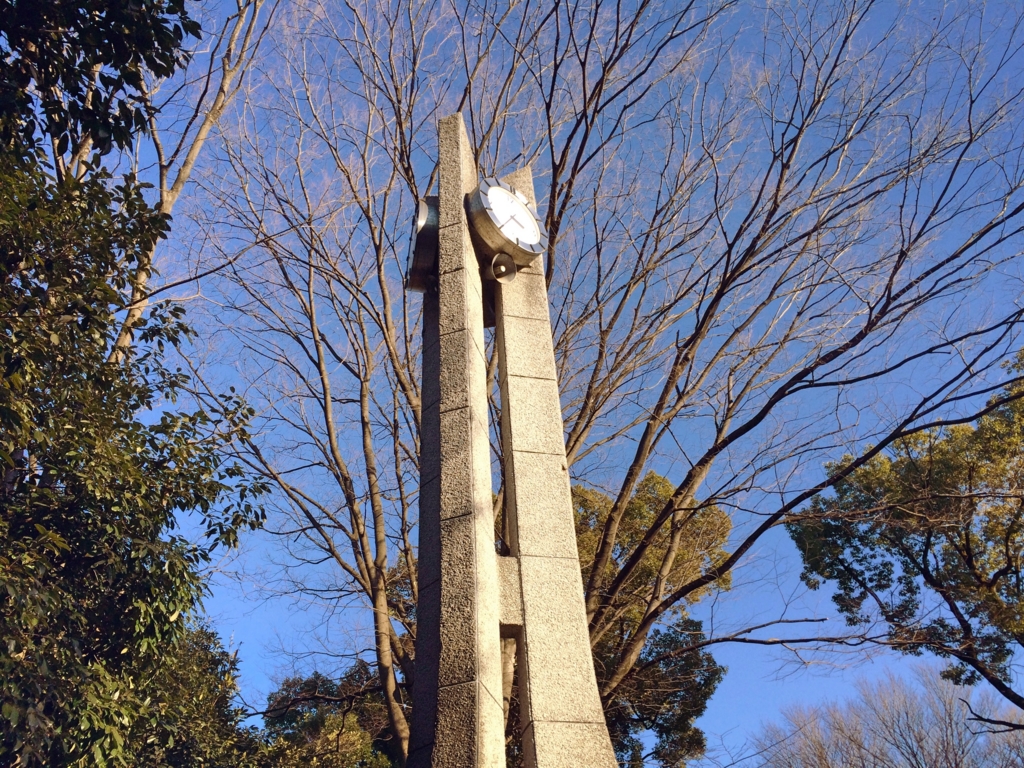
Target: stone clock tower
(478, 250)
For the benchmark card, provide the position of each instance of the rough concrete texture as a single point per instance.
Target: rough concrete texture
(463, 740)
(559, 703)
(463, 726)
(428, 629)
(458, 605)
(540, 506)
(428, 647)
(465, 488)
(511, 593)
(522, 296)
(429, 562)
(567, 745)
(459, 352)
(561, 678)
(450, 238)
(455, 739)
(528, 341)
(452, 289)
(490, 738)
(533, 407)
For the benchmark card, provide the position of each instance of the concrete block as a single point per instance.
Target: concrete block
(458, 657)
(563, 686)
(532, 414)
(430, 360)
(510, 592)
(428, 649)
(475, 303)
(451, 302)
(526, 296)
(463, 372)
(487, 631)
(431, 350)
(457, 351)
(456, 166)
(465, 472)
(568, 745)
(536, 269)
(430, 443)
(428, 628)
(429, 560)
(526, 346)
(455, 250)
(469, 728)
(456, 463)
(455, 744)
(490, 729)
(541, 504)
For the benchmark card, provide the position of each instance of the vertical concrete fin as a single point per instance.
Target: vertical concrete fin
(466, 729)
(560, 708)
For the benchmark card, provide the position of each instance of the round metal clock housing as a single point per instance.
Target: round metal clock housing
(505, 222)
(422, 265)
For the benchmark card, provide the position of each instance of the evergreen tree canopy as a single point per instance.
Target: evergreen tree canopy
(929, 542)
(194, 721)
(318, 721)
(97, 460)
(69, 70)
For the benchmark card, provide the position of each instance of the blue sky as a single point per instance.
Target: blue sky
(760, 682)
(274, 632)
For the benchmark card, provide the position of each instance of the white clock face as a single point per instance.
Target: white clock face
(515, 220)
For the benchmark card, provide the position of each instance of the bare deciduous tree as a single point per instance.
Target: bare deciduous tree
(778, 235)
(891, 724)
(180, 123)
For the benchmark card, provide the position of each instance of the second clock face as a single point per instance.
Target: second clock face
(513, 217)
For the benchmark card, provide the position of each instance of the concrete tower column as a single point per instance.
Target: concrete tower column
(458, 720)
(562, 718)
(468, 595)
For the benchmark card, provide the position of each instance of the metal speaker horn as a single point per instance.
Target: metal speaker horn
(502, 269)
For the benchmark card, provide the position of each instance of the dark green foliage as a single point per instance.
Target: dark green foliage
(317, 721)
(71, 69)
(94, 585)
(929, 541)
(97, 463)
(191, 720)
(668, 692)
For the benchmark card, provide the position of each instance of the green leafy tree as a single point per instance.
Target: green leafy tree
(673, 678)
(318, 721)
(98, 462)
(928, 541)
(193, 720)
(97, 467)
(72, 72)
